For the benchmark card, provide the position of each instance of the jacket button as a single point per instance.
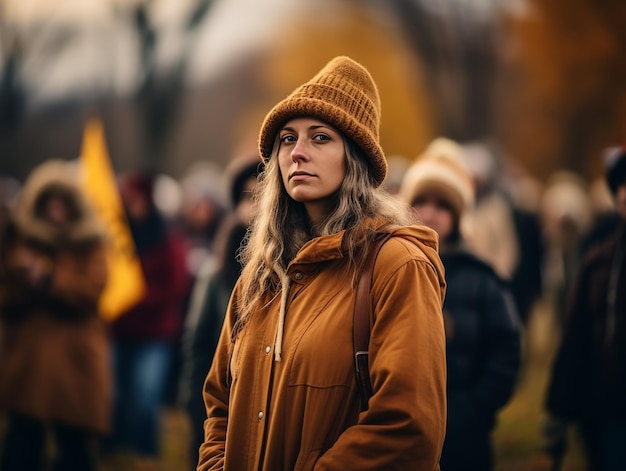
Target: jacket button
(298, 276)
(268, 349)
(260, 415)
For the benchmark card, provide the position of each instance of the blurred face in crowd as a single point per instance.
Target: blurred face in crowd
(202, 214)
(56, 211)
(56, 206)
(436, 213)
(312, 163)
(138, 205)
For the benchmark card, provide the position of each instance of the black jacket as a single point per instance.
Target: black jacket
(589, 373)
(483, 351)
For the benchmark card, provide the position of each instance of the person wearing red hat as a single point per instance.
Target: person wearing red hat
(145, 336)
(282, 391)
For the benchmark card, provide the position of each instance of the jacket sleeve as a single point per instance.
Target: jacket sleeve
(501, 354)
(405, 424)
(194, 337)
(24, 277)
(216, 399)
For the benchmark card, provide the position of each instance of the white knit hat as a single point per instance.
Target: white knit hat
(440, 169)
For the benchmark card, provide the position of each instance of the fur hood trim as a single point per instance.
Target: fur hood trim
(63, 175)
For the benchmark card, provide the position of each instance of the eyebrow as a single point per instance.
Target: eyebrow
(313, 127)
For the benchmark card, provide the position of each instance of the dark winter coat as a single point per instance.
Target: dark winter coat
(589, 374)
(54, 351)
(483, 355)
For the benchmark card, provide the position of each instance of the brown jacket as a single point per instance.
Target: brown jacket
(54, 350)
(302, 413)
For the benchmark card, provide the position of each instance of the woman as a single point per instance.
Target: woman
(281, 393)
(482, 329)
(54, 360)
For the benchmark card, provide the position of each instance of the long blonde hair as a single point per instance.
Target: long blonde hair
(280, 227)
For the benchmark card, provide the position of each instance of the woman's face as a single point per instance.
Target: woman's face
(312, 161)
(436, 214)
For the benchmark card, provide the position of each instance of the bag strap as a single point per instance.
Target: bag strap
(362, 310)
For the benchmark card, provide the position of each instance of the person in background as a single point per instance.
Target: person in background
(145, 337)
(204, 206)
(527, 283)
(490, 226)
(55, 371)
(606, 218)
(566, 216)
(483, 334)
(587, 386)
(282, 390)
(495, 227)
(211, 293)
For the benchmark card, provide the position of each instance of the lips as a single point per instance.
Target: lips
(300, 174)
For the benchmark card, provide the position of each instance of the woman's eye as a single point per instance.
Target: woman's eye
(287, 138)
(321, 137)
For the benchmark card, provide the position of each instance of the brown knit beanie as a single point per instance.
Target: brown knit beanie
(440, 170)
(342, 94)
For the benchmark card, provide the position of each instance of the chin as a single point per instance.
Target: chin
(302, 197)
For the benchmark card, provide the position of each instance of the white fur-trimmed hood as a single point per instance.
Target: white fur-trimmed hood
(58, 173)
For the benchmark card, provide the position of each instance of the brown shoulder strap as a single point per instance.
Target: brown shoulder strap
(362, 310)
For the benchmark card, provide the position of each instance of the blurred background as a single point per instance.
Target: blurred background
(177, 82)
(185, 84)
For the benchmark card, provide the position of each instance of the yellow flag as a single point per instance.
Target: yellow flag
(126, 284)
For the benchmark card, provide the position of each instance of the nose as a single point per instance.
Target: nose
(299, 151)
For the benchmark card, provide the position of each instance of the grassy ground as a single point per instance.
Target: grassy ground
(516, 438)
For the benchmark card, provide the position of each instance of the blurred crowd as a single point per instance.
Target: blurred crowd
(94, 387)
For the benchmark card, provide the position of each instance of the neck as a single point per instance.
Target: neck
(317, 213)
